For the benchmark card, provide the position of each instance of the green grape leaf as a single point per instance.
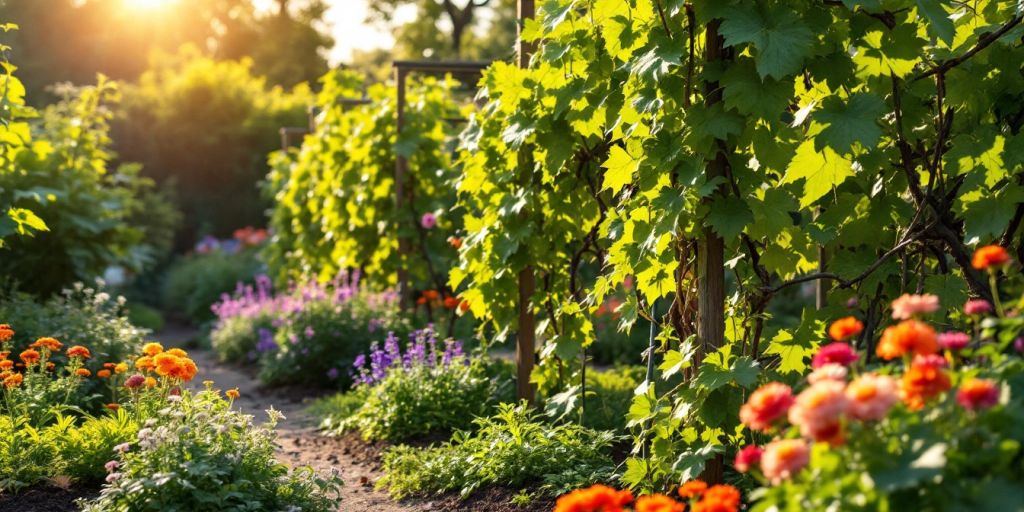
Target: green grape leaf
(821, 171)
(855, 121)
(728, 216)
(782, 38)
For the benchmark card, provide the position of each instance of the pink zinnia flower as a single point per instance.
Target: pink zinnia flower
(871, 396)
(783, 459)
(975, 394)
(954, 340)
(977, 307)
(930, 360)
(111, 466)
(907, 305)
(769, 403)
(817, 411)
(747, 458)
(134, 381)
(832, 371)
(834, 353)
(428, 221)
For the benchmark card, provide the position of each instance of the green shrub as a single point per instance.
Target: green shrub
(85, 448)
(197, 282)
(333, 411)
(94, 213)
(513, 448)
(197, 453)
(609, 396)
(26, 454)
(145, 316)
(236, 338)
(429, 389)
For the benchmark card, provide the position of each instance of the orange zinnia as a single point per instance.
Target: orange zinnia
(120, 367)
(6, 333)
(177, 352)
(597, 498)
(693, 488)
(906, 337)
(152, 349)
(719, 498)
(845, 328)
(13, 380)
(49, 343)
(29, 356)
(145, 363)
(166, 364)
(83, 372)
(6, 364)
(923, 381)
(79, 351)
(150, 382)
(103, 374)
(990, 256)
(658, 503)
(232, 393)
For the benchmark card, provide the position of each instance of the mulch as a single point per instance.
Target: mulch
(45, 498)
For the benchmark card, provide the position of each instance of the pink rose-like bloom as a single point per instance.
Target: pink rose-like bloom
(977, 307)
(769, 403)
(817, 411)
(871, 396)
(113, 477)
(907, 305)
(954, 340)
(835, 353)
(123, 447)
(930, 360)
(747, 458)
(784, 458)
(111, 466)
(836, 372)
(428, 221)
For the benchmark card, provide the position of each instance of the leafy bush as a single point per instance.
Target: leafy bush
(198, 281)
(86, 448)
(936, 428)
(26, 454)
(307, 334)
(63, 175)
(429, 389)
(85, 316)
(513, 448)
(609, 396)
(197, 453)
(207, 125)
(334, 203)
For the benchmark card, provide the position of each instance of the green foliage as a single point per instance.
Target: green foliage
(205, 125)
(332, 411)
(513, 448)
(334, 199)
(62, 174)
(883, 133)
(199, 454)
(80, 316)
(197, 282)
(25, 453)
(86, 448)
(317, 344)
(144, 316)
(234, 339)
(609, 395)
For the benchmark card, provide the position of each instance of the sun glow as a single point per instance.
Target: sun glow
(146, 4)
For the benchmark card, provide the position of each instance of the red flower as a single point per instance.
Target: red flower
(990, 256)
(719, 498)
(978, 394)
(693, 489)
(923, 381)
(747, 458)
(597, 498)
(658, 503)
(835, 353)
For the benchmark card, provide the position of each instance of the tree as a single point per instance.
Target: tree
(449, 28)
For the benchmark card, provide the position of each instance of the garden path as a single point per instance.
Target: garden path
(298, 440)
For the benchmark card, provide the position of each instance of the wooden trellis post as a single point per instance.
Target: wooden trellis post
(401, 174)
(526, 342)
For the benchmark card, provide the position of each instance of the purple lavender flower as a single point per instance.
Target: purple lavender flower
(333, 373)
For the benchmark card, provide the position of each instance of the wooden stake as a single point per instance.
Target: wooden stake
(526, 342)
(401, 172)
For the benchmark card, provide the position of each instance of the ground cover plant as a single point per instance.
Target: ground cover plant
(430, 387)
(514, 448)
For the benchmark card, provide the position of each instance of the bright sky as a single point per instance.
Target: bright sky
(347, 19)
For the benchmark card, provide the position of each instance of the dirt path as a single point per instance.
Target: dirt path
(299, 442)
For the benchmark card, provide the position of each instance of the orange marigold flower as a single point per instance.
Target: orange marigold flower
(144, 363)
(79, 351)
(177, 352)
(120, 367)
(909, 336)
(431, 294)
(50, 344)
(719, 498)
(83, 372)
(6, 364)
(29, 356)
(166, 364)
(769, 403)
(188, 369)
(113, 407)
(109, 366)
(923, 381)
(693, 489)
(232, 393)
(152, 348)
(977, 394)
(597, 498)
(451, 302)
(103, 374)
(845, 328)
(150, 382)
(4, 354)
(658, 503)
(13, 380)
(6, 333)
(990, 256)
